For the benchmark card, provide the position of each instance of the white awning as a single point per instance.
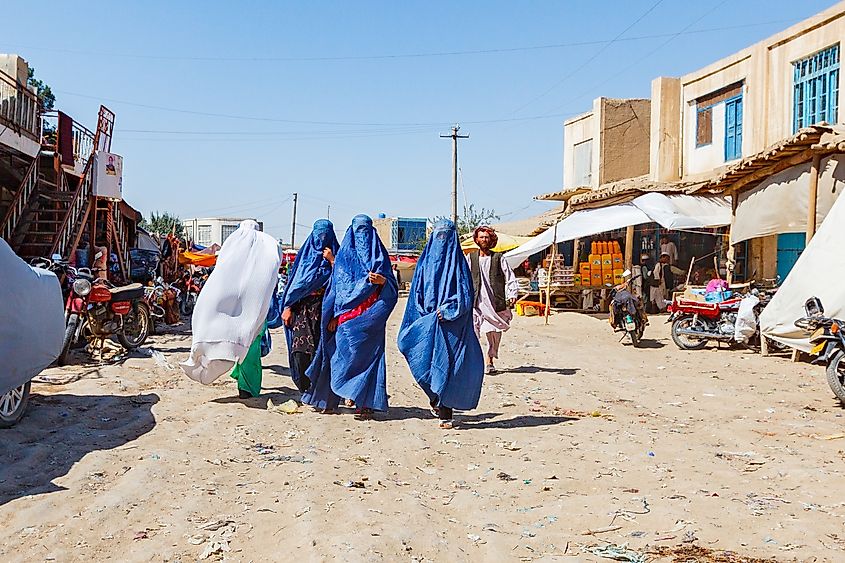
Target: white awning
(580, 224)
(817, 273)
(671, 212)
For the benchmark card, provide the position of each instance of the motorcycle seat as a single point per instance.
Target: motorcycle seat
(127, 292)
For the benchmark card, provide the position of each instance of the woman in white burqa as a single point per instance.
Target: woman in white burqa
(230, 313)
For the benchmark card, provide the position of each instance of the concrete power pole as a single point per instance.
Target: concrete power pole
(293, 224)
(454, 136)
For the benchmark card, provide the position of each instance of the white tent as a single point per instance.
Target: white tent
(671, 212)
(818, 272)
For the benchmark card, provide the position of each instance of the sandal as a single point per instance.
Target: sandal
(364, 414)
(447, 424)
(349, 403)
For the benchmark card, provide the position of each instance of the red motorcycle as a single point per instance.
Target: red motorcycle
(694, 323)
(189, 287)
(98, 310)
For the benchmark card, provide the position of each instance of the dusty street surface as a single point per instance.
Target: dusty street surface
(580, 443)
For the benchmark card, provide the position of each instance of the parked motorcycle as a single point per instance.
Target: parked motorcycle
(733, 321)
(189, 286)
(626, 316)
(828, 344)
(158, 299)
(101, 310)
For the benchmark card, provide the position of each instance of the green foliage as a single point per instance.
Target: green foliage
(471, 218)
(45, 94)
(163, 224)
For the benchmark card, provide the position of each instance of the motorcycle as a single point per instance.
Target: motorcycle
(96, 308)
(733, 321)
(189, 286)
(158, 298)
(828, 344)
(625, 315)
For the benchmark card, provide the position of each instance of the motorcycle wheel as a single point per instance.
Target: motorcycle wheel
(635, 337)
(683, 341)
(186, 306)
(136, 327)
(836, 376)
(13, 405)
(70, 334)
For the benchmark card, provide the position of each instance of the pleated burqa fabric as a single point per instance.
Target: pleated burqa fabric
(311, 273)
(232, 306)
(437, 336)
(362, 309)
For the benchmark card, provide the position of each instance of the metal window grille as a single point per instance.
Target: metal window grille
(226, 230)
(816, 89)
(204, 234)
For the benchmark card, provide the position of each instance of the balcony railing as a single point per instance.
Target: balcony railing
(67, 139)
(18, 107)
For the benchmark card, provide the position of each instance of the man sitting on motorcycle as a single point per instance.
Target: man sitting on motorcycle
(624, 295)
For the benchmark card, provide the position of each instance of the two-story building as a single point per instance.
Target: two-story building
(211, 231)
(753, 126)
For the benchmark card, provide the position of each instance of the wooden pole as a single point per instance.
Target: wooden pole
(731, 254)
(629, 247)
(549, 275)
(689, 272)
(812, 201)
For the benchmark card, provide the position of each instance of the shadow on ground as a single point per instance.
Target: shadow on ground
(278, 395)
(59, 430)
(475, 421)
(540, 369)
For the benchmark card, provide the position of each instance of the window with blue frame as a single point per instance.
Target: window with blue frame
(816, 89)
(733, 128)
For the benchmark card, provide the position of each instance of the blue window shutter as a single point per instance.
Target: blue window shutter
(733, 129)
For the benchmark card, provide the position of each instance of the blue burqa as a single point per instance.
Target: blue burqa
(311, 272)
(443, 353)
(358, 367)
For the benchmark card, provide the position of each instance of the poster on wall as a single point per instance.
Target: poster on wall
(108, 175)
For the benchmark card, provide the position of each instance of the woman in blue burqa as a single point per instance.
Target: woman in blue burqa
(437, 336)
(364, 291)
(310, 344)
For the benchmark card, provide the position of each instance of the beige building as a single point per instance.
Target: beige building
(736, 107)
(608, 143)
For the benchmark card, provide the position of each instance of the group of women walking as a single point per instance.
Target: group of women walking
(334, 310)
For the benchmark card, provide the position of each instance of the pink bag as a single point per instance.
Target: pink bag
(716, 285)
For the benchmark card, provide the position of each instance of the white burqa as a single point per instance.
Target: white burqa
(233, 304)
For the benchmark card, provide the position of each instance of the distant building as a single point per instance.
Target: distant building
(213, 230)
(402, 235)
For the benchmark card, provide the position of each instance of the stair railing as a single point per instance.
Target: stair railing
(75, 212)
(20, 201)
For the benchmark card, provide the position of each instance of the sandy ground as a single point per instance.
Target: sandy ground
(581, 443)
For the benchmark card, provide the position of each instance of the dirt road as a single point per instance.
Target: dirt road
(580, 443)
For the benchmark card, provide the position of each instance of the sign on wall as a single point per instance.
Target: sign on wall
(108, 175)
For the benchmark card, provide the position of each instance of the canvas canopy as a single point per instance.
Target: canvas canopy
(506, 242)
(819, 272)
(671, 212)
(780, 203)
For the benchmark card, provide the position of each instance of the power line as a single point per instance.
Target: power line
(616, 75)
(588, 61)
(386, 56)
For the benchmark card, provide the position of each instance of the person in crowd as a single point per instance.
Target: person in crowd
(364, 291)
(302, 305)
(495, 292)
(229, 317)
(437, 334)
(668, 247)
(662, 282)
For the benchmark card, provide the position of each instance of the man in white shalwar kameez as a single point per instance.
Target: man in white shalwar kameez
(496, 290)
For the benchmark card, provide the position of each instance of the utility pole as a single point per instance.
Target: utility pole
(293, 224)
(454, 136)
(328, 212)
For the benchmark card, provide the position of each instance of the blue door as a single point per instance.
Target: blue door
(790, 247)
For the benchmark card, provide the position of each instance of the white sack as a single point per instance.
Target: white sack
(32, 319)
(819, 272)
(746, 322)
(233, 304)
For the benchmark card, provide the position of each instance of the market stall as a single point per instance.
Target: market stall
(604, 241)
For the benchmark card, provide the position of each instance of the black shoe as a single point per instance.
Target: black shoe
(244, 394)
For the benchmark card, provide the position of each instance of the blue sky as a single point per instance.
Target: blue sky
(226, 109)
